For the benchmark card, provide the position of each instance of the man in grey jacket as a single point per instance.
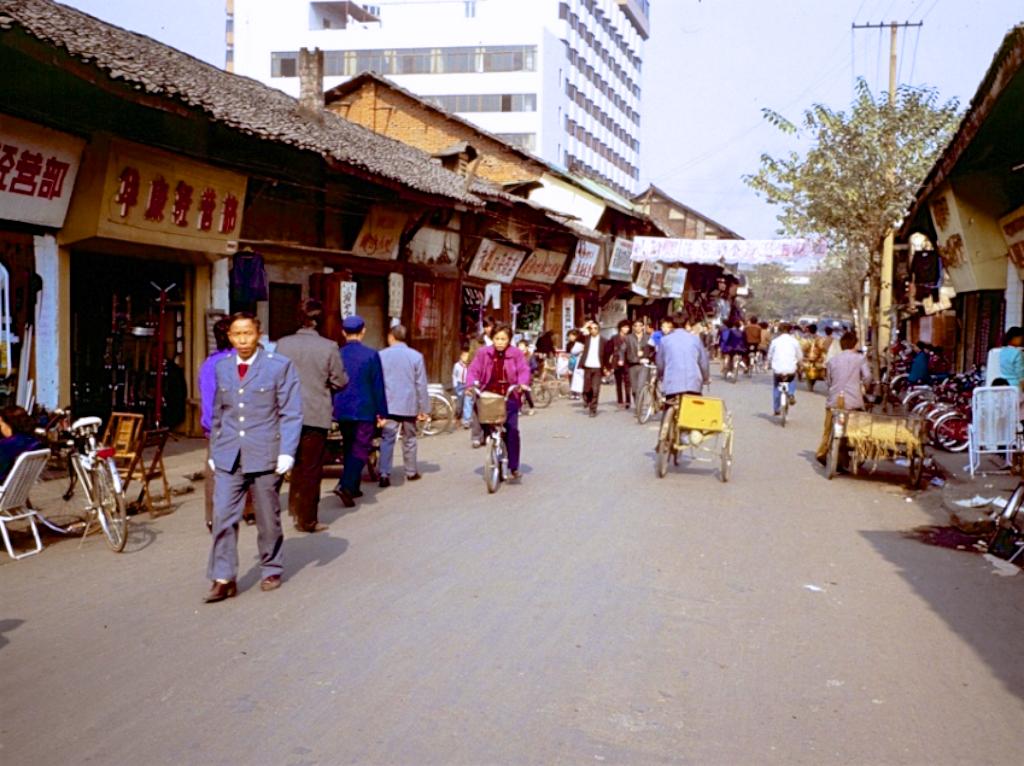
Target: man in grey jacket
(405, 384)
(321, 372)
(254, 432)
(682, 362)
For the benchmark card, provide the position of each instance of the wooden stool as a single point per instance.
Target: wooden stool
(152, 442)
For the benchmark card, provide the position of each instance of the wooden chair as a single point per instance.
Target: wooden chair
(122, 434)
(14, 498)
(147, 466)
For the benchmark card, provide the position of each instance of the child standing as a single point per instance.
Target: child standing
(463, 403)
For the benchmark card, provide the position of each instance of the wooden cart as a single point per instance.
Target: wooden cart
(871, 437)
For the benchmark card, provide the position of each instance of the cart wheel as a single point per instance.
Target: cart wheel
(832, 461)
(726, 457)
(916, 472)
(666, 440)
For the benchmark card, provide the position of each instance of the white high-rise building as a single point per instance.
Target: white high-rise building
(561, 79)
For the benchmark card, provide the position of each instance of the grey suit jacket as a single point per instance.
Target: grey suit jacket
(258, 417)
(405, 381)
(318, 363)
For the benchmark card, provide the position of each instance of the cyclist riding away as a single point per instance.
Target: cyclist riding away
(752, 334)
(784, 356)
(496, 368)
(682, 362)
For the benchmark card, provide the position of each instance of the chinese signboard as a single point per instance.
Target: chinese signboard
(542, 266)
(1013, 232)
(620, 266)
(381, 234)
(348, 299)
(37, 172)
(426, 315)
(568, 317)
(674, 282)
(496, 262)
(435, 247)
(748, 252)
(613, 312)
(582, 269)
(642, 284)
(396, 294)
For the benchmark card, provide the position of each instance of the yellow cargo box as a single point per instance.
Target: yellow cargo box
(701, 413)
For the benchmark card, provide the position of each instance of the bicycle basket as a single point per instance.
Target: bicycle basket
(490, 409)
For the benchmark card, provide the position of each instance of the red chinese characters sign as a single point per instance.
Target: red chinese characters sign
(38, 167)
(381, 234)
(496, 263)
(542, 266)
(582, 269)
(167, 200)
(426, 314)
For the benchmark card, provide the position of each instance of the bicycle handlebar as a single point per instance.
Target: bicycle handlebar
(475, 390)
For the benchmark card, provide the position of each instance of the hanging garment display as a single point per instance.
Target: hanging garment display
(248, 278)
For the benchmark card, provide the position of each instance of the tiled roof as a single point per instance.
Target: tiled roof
(238, 102)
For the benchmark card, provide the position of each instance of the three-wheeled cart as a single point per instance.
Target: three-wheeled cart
(698, 428)
(870, 437)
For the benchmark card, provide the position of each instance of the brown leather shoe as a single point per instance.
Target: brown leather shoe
(345, 496)
(270, 583)
(221, 591)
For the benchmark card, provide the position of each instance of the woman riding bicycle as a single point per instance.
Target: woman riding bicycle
(498, 368)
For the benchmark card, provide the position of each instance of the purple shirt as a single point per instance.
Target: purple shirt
(208, 387)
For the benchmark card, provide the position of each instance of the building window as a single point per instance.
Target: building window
(414, 61)
(284, 64)
(470, 9)
(486, 102)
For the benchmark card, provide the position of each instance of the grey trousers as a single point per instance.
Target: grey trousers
(230, 488)
(387, 446)
(637, 378)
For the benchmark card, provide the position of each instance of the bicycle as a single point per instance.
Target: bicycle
(546, 387)
(782, 384)
(441, 415)
(649, 399)
(492, 411)
(92, 465)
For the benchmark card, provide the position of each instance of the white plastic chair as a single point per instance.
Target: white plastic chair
(14, 496)
(995, 417)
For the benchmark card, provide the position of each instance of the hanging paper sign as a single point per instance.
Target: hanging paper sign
(674, 282)
(747, 252)
(582, 269)
(612, 313)
(348, 299)
(620, 266)
(495, 262)
(568, 318)
(642, 285)
(396, 292)
(437, 248)
(426, 316)
(656, 288)
(382, 230)
(472, 296)
(542, 266)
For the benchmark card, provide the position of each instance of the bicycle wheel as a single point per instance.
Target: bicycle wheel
(725, 457)
(644, 405)
(783, 408)
(110, 506)
(951, 431)
(440, 418)
(666, 441)
(542, 395)
(564, 388)
(492, 464)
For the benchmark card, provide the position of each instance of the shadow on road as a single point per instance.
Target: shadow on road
(6, 626)
(986, 616)
(318, 549)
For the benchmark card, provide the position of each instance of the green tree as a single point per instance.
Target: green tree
(857, 178)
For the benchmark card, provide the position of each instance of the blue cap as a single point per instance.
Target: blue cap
(353, 324)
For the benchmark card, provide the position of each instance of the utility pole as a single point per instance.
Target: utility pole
(886, 275)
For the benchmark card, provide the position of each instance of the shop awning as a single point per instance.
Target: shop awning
(794, 253)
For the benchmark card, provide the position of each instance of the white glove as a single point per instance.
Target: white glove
(213, 466)
(284, 464)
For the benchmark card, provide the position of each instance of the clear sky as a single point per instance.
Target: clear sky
(712, 65)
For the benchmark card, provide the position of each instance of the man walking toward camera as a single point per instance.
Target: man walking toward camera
(321, 372)
(405, 387)
(255, 429)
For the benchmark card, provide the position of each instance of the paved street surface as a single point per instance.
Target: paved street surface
(592, 614)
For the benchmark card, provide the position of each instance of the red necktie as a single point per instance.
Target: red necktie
(242, 369)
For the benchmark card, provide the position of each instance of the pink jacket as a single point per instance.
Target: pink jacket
(483, 367)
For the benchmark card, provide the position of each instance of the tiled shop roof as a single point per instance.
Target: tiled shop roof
(238, 102)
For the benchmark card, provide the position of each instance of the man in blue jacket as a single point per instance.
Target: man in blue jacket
(254, 432)
(359, 408)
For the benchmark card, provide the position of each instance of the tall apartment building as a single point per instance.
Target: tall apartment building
(560, 79)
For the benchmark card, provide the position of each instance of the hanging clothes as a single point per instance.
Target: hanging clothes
(926, 273)
(248, 278)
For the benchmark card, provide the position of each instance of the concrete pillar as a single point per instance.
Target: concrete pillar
(54, 327)
(1014, 297)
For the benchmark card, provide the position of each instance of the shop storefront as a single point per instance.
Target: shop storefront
(486, 288)
(143, 229)
(532, 303)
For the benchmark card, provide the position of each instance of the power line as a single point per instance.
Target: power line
(913, 60)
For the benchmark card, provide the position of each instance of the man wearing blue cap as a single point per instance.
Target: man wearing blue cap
(359, 407)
